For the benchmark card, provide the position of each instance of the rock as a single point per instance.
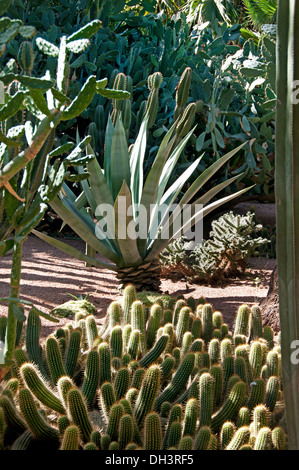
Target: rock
(270, 304)
(70, 308)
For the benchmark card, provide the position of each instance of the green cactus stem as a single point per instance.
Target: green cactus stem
(263, 440)
(77, 411)
(54, 359)
(255, 323)
(116, 341)
(35, 422)
(228, 429)
(205, 399)
(242, 319)
(36, 384)
(107, 398)
(240, 438)
(72, 352)
(190, 417)
(156, 351)
(202, 438)
(178, 381)
(230, 407)
(91, 377)
(147, 394)
(126, 430)
(115, 415)
(152, 432)
(121, 383)
(71, 438)
(105, 363)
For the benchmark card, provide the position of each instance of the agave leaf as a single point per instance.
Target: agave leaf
(84, 226)
(102, 196)
(136, 164)
(152, 189)
(119, 159)
(107, 150)
(161, 242)
(69, 250)
(151, 186)
(170, 164)
(171, 194)
(207, 174)
(127, 241)
(202, 200)
(98, 183)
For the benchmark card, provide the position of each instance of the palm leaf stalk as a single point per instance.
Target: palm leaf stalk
(287, 207)
(261, 12)
(141, 223)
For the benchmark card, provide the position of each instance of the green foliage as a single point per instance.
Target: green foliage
(30, 175)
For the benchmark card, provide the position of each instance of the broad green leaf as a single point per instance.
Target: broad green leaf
(119, 159)
(84, 226)
(136, 164)
(86, 31)
(207, 174)
(127, 242)
(69, 250)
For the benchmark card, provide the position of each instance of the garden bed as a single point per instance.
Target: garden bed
(49, 277)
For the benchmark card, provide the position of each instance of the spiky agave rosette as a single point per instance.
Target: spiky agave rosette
(142, 221)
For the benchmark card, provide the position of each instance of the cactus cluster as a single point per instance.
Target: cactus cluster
(232, 241)
(151, 377)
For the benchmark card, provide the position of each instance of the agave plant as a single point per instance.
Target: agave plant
(143, 219)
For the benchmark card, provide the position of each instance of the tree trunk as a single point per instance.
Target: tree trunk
(270, 305)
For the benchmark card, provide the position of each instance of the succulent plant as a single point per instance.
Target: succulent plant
(158, 400)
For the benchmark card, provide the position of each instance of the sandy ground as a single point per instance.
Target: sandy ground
(49, 277)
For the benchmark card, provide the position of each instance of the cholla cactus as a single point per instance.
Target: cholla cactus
(233, 240)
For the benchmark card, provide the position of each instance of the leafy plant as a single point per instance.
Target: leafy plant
(132, 236)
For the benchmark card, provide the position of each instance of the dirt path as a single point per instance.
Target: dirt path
(49, 276)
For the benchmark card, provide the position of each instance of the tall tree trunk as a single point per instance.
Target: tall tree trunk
(287, 205)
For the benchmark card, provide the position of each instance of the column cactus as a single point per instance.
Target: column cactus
(286, 192)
